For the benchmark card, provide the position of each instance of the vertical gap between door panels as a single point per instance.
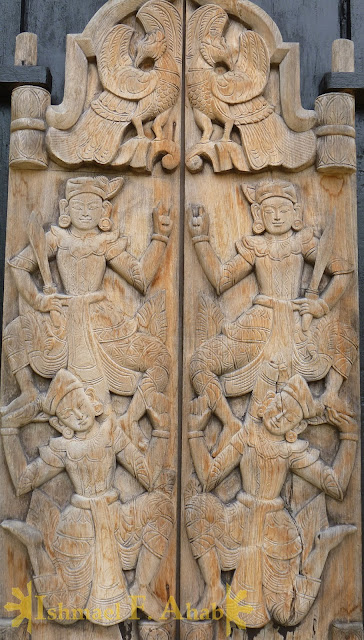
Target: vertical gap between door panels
(180, 323)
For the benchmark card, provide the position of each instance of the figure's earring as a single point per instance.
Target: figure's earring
(64, 220)
(291, 436)
(66, 432)
(105, 223)
(297, 223)
(258, 224)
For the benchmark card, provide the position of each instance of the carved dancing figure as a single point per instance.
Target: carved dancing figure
(79, 553)
(277, 558)
(280, 319)
(78, 328)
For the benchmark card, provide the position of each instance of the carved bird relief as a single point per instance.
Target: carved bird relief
(227, 89)
(141, 82)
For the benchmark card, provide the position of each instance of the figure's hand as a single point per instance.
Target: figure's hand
(55, 302)
(343, 422)
(162, 222)
(315, 308)
(199, 222)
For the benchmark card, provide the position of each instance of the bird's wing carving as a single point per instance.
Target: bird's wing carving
(162, 15)
(250, 74)
(207, 20)
(116, 67)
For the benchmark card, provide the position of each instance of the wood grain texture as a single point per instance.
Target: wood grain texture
(233, 388)
(112, 541)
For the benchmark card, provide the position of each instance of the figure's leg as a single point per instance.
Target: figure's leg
(160, 121)
(340, 343)
(156, 517)
(202, 512)
(325, 541)
(15, 350)
(32, 538)
(149, 355)
(227, 131)
(330, 397)
(138, 124)
(205, 124)
(215, 357)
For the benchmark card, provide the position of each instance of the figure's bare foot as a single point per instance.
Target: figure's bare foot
(200, 413)
(226, 434)
(213, 595)
(25, 398)
(147, 600)
(27, 534)
(330, 538)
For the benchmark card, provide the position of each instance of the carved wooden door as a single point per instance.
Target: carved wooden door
(180, 376)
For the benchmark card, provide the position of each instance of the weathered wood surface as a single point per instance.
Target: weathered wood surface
(230, 374)
(99, 278)
(52, 27)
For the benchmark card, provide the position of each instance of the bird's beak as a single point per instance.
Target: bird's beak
(139, 58)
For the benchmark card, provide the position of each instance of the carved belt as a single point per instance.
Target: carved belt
(81, 502)
(276, 504)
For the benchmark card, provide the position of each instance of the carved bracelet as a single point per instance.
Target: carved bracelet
(195, 434)
(197, 239)
(349, 436)
(158, 433)
(158, 236)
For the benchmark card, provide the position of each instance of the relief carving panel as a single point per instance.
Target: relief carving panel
(271, 415)
(93, 365)
(90, 337)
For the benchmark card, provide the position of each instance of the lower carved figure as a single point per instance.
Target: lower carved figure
(277, 558)
(79, 554)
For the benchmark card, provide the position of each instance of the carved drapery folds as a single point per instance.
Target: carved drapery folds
(91, 363)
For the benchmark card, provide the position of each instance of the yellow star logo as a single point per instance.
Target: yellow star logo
(234, 609)
(24, 606)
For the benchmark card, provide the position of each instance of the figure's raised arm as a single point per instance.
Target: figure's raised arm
(334, 479)
(222, 276)
(25, 476)
(140, 273)
(24, 264)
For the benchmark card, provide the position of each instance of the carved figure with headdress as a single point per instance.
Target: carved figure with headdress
(227, 364)
(73, 325)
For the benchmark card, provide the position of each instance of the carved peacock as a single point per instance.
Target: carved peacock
(141, 82)
(226, 87)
